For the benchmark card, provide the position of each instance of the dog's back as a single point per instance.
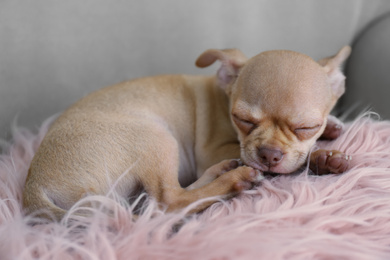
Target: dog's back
(122, 131)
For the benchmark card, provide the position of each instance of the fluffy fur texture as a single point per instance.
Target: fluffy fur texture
(296, 216)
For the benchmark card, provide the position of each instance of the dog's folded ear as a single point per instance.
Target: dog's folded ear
(232, 60)
(332, 66)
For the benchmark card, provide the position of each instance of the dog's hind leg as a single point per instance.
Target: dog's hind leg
(158, 167)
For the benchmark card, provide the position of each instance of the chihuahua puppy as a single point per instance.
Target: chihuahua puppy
(179, 136)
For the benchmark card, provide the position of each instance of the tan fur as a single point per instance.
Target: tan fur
(169, 132)
(292, 92)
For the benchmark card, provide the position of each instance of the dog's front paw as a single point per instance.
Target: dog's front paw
(333, 129)
(325, 161)
(244, 177)
(215, 171)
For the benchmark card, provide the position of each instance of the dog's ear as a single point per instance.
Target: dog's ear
(232, 60)
(332, 66)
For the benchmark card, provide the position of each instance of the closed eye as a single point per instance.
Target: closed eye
(244, 125)
(307, 132)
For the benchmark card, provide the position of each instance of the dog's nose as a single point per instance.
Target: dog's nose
(270, 157)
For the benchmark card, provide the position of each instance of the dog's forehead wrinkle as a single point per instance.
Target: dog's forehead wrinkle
(307, 120)
(242, 108)
(302, 118)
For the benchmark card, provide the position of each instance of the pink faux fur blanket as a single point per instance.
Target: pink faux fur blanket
(286, 217)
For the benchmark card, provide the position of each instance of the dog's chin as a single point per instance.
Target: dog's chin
(255, 165)
(278, 169)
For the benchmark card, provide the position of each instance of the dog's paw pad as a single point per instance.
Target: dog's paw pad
(324, 162)
(247, 178)
(231, 165)
(338, 162)
(242, 185)
(332, 131)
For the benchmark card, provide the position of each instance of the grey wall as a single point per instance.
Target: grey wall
(52, 52)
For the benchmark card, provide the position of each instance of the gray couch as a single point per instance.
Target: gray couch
(52, 52)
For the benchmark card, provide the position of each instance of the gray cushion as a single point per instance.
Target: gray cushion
(368, 70)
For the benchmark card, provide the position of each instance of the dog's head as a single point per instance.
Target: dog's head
(279, 102)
